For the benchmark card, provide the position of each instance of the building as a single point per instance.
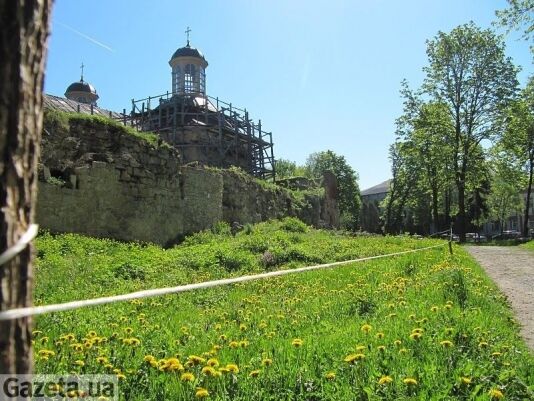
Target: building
(370, 210)
(205, 129)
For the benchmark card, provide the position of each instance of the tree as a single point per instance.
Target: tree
(349, 191)
(23, 38)
(469, 73)
(504, 199)
(518, 142)
(287, 169)
(519, 15)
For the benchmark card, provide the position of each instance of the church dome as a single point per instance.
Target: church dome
(188, 51)
(81, 86)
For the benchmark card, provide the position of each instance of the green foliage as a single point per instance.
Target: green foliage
(221, 228)
(293, 225)
(367, 308)
(56, 181)
(518, 16)
(349, 192)
(61, 120)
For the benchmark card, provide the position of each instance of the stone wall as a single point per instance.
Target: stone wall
(96, 178)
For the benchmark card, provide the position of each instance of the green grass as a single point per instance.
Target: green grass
(371, 309)
(61, 120)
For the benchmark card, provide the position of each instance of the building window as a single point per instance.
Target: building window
(202, 80)
(176, 79)
(189, 78)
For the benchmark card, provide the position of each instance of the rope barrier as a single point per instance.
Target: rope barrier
(21, 244)
(39, 310)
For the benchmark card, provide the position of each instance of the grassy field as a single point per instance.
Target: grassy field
(420, 326)
(529, 245)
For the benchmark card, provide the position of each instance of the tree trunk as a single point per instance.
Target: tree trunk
(23, 38)
(460, 220)
(527, 202)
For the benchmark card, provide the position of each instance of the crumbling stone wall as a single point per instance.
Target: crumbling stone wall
(98, 179)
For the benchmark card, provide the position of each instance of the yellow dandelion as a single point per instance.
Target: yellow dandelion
(79, 362)
(196, 360)
(330, 376)
(243, 343)
(297, 342)
(233, 344)
(360, 348)
(121, 376)
(410, 381)
(243, 327)
(465, 380)
(102, 360)
(482, 344)
(385, 380)
(397, 342)
(212, 362)
(208, 371)
(446, 343)
(353, 358)
(202, 393)
(381, 348)
(496, 394)
(128, 330)
(496, 354)
(366, 328)
(379, 335)
(403, 351)
(416, 335)
(187, 377)
(255, 373)
(232, 368)
(267, 362)
(434, 309)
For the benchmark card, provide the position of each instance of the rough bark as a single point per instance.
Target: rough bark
(23, 38)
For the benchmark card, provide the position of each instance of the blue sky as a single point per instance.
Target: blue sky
(319, 74)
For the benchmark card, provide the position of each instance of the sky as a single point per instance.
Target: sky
(319, 74)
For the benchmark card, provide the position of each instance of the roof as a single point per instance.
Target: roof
(52, 102)
(188, 51)
(81, 86)
(381, 188)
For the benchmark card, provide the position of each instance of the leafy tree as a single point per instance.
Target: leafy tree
(518, 143)
(286, 169)
(347, 178)
(519, 15)
(504, 199)
(469, 74)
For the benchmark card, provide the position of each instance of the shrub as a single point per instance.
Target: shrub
(294, 225)
(127, 271)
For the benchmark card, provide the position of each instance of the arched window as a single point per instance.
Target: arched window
(189, 78)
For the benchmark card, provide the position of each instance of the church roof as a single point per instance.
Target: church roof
(188, 51)
(51, 102)
(81, 86)
(381, 188)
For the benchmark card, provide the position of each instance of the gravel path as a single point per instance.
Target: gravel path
(512, 269)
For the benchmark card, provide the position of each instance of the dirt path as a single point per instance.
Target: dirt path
(512, 269)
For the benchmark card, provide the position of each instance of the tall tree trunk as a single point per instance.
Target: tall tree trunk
(527, 202)
(23, 38)
(461, 217)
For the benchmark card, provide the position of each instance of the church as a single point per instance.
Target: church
(204, 129)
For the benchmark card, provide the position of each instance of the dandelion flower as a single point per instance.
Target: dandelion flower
(385, 380)
(79, 363)
(410, 381)
(397, 342)
(208, 371)
(379, 335)
(330, 376)
(121, 376)
(496, 354)
(202, 393)
(267, 362)
(465, 380)
(416, 335)
(187, 377)
(381, 348)
(446, 343)
(232, 368)
(482, 344)
(233, 344)
(496, 394)
(255, 373)
(212, 362)
(366, 328)
(353, 358)
(297, 342)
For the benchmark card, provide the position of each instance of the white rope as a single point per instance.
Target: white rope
(21, 244)
(39, 310)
